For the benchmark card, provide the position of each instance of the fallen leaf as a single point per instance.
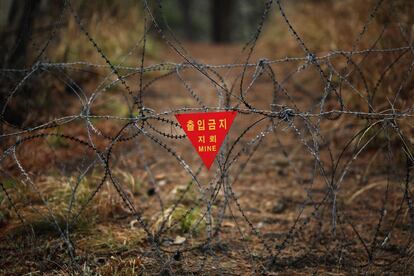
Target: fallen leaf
(179, 240)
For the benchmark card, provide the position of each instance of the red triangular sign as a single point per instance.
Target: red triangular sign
(206, 131)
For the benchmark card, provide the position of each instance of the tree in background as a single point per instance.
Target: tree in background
(186, 7)
(221, 19)
(225, 21)
(16, 29)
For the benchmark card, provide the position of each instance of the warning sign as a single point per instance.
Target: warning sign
(206, 131)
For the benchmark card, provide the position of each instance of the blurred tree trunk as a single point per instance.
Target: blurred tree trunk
(16, 31)
(221, 13)
(20, 20)
(188, 24)
(4, 13)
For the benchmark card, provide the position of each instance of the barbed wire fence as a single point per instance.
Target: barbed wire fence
(342, 222)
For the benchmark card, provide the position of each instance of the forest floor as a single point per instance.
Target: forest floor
(283, 206)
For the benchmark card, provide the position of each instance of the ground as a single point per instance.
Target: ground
(282, 209)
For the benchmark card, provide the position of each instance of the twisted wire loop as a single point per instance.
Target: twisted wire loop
(315, 175)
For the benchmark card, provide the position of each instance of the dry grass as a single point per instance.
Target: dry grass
(110, 24)
(376, 78)
(44, 205)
